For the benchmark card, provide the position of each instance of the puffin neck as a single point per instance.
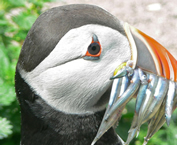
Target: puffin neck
(42, 124)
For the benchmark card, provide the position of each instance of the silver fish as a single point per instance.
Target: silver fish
(115, 91)
(140, 97)
(154, 122)
(157, 122)
(169, 101)
(153, 79)
(118, 88)
(142, 90)
(160, 93)
(127, 95)
(124, 86)
(107, 124)
(113, 114)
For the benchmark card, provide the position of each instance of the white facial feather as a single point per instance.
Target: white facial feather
(71, 84)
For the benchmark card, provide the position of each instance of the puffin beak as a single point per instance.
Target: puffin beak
(147, 55)
(162, 62)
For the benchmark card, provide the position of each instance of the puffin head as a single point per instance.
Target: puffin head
(69, 55)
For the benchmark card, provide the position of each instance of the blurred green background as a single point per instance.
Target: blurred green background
(16, 18)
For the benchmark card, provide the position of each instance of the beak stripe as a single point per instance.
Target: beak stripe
(151, 50)
(132, 45)
(165, 64)
(174, 65)
(160, 51)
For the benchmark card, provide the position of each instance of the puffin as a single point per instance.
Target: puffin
(62, 78)
(62, 75)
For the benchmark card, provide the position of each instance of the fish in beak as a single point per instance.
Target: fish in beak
(151, 76)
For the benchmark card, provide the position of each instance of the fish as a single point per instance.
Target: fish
(115, 91)
(169, 101)
(124, 86)
(152, 125)
(160, 93)
(118, 88)
(142, 90)
(106, 124)
(113, 114)
(127, 95)
(140, 97)
(158, 120)
(153, 79)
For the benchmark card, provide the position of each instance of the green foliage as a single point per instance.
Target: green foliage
(5, 128)
(16, 18)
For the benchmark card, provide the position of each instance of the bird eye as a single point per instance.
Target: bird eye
(94, 49)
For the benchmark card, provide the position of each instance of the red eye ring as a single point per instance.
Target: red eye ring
(94, 49)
